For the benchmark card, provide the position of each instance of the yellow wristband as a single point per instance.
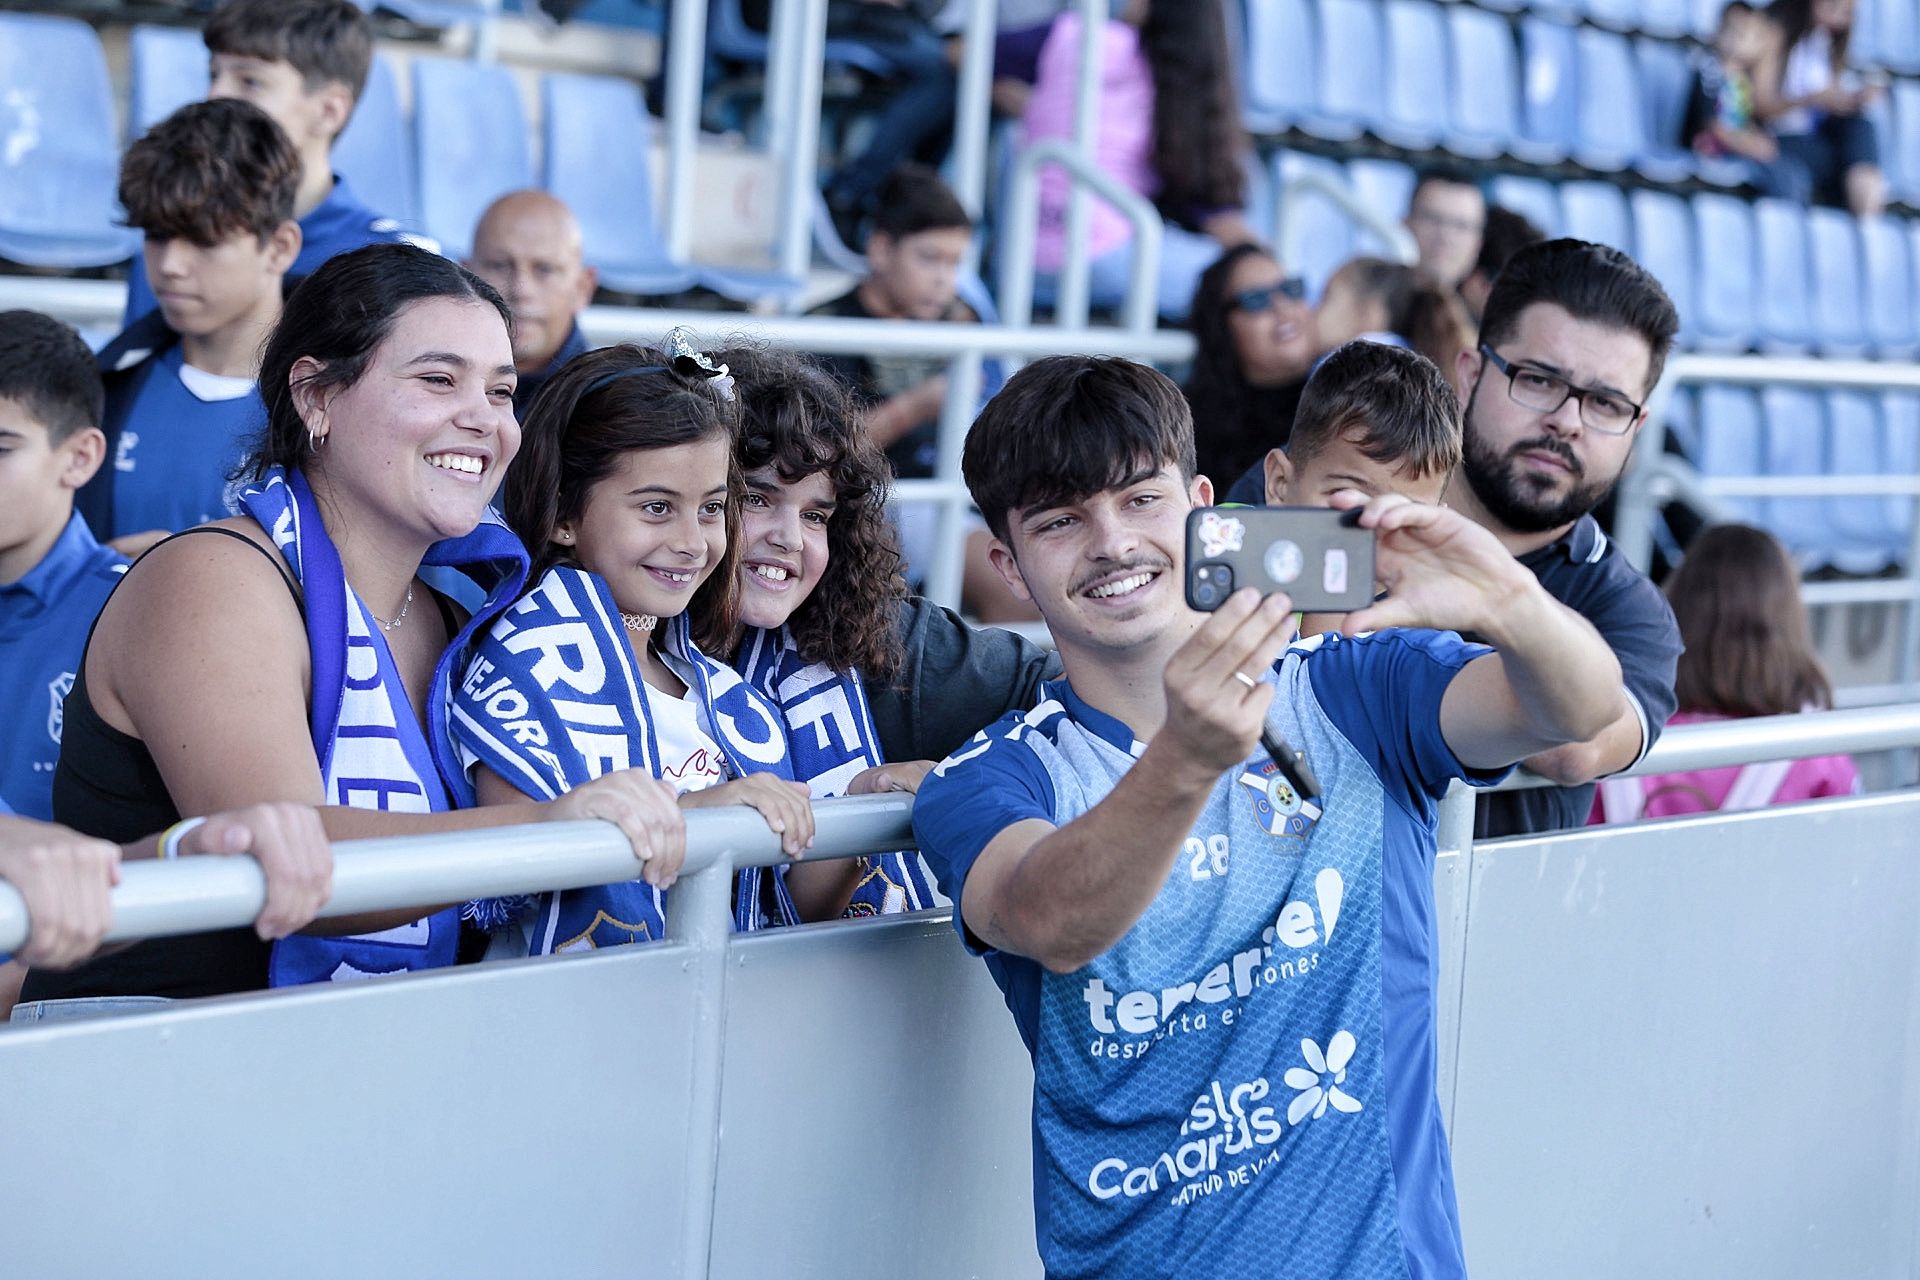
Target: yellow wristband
(171, 838)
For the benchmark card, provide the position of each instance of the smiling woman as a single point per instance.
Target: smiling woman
(297, 656)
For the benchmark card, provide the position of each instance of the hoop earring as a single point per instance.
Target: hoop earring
(315, 439)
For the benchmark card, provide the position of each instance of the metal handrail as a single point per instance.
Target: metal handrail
(194, 894)
(1399, 241)
(1019, 236)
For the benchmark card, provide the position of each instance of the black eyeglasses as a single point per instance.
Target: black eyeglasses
(1293, 287)
(1608, 412)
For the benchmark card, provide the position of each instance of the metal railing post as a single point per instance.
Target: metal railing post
(956, 416)
(1639, 504)
(777, 99)
(700, 916)
(973, 118)
(1070, 306)
(1399, 240)
(1453, 839)
(1020, 229)
(686, 57)
(802, 157)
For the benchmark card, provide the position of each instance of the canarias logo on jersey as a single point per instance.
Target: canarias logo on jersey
(1129, 1023)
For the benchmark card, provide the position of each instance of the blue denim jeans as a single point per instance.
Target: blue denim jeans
(83, 1007)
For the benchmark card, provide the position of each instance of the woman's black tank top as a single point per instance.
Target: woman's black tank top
(107, 785)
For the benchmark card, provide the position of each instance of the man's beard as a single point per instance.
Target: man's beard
(1522, 501)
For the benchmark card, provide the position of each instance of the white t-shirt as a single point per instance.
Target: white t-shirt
(689, 759)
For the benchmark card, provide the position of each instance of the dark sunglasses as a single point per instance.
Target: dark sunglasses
(1292, 288)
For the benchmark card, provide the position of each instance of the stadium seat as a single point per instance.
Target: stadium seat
(59, 162)
(1349, 101)
(1597, 211)
(1279, 64)
(1839, 301)
(1667, 19)
(1385, 187)
(1705, 18)
(1666, 81)
(375, 150)
(1900, 451)
(1783, 296)
(1731, 443)
(1484, 79)
(1863, 530)
(609, 188)
(167, 70)
(1617, 15)
(1549, 58)
(1319, 235)
(471, 140)
(1663, 243)
(1613, 122)
(1533, 197)
(1796, 445)
(1414, 112)
(1899, 122)
(1724, 317)
(1895, 35)
(1889, 277)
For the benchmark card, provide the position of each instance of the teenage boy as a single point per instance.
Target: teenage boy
(53, 575)
(1571, 344)
(527, 246)
(919, 239)
(1446, 214)
(212, 186)
(1228, 994)
(305, 63)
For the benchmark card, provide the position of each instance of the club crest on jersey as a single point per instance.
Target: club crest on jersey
(1280, 809)
(57, 690)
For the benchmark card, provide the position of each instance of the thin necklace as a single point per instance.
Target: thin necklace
(638, 621)
(398, 618)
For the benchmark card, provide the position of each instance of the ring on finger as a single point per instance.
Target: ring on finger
(1246, 680)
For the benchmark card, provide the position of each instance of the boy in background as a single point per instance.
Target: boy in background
(53, 575)
(1720, 120)
(213, 187)
(305, 63)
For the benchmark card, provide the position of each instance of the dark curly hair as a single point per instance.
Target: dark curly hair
(1227, 437)
(799, 419)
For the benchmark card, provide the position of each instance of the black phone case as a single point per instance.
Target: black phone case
(1318, 556)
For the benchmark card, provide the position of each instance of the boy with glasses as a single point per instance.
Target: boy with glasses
(1571, 345)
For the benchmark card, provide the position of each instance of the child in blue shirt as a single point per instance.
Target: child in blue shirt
(305, 63)
(53, 576)
(212, 186)
(1228, 987)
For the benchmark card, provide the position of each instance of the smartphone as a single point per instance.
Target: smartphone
(1320, 557)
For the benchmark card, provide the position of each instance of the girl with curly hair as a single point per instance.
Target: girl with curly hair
(874, 684)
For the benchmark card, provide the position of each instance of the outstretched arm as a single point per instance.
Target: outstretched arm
(1063, 895)
(1552, 679)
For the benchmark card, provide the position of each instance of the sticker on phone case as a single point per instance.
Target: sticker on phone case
(1284, 561)
(1220, 534)
(1333, 572)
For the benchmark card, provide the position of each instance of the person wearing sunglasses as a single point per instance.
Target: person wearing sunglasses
(1571, 345)
(1254, 345)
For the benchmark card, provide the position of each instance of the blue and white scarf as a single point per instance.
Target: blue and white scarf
(369, 744)
(553, 698)
(832, 739)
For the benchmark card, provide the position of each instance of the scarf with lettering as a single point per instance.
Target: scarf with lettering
(832, 739)
(366, 737)
(553, 698)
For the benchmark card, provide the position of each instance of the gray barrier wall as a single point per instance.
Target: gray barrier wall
(1684, 1049)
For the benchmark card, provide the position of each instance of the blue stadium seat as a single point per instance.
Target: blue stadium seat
(1414, 113)
(1597, 211)
(1533, 197)
(1618, 15)
(1731, 443)
(1613, 124)
(1706, 18)
(1839, 319)
(168, 69)
(1484, 74)
(1668, 19)
(1796, 445)
(1549, 59)
(1663, 244)
(1666, 81)
(59, 162)
(375, 150)
(1723, 229)
(471, 144)
(1900, 451)
(1320, 236)
(609, 187)
(1384, 186)
(1900, 145)
(1888, 271)
(1279, 80)
(1783, 293)
(1863, 528)
(1349, 100)
(1896, 35)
